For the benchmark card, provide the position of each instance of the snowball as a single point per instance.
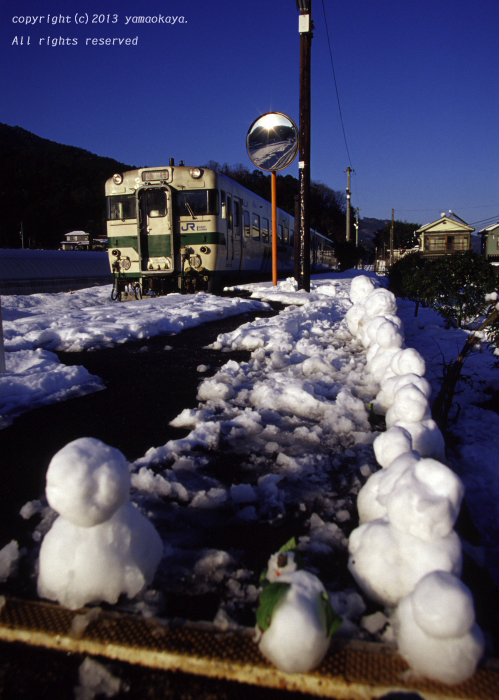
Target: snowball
(360, 288)
(387, 563)
(379, 302)
(436, 632)
(381, 362)
(425, 500)
(353, 316)
(443, 605)
(389, 336)
(81, 565)
(389, 388)
(404, 362)
(297, 640)
(391, 444)
(87, 481)
(372, 497)
(426, 438)
(368, 327)
(409, 404)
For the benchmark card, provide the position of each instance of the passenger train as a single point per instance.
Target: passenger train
(180, 228)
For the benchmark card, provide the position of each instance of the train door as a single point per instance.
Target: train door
(155, 228)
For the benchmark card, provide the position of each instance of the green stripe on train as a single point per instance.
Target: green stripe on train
(160, 244)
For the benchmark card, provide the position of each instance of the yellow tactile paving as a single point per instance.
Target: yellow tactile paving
(350, 671)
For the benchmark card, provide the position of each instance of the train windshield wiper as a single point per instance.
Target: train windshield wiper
(189, 209)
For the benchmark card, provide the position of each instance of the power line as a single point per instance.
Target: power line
(485, 222)
(336, 85)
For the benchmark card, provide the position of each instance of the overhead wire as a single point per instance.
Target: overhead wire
(336, 87)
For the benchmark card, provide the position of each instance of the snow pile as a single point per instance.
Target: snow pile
(96, 680)
(405, 552)
(9, 560)
(35, 378)
(100, 546)
(85, 320)
(295, 616)
(104, 324)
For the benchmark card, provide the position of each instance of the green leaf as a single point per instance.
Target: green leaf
(269, 597)
(333, 620)
(289, 546)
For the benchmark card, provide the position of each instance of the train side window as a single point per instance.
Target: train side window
(291, 237)
(256, 227)
(286, 235)
(246, 224)
(224, 204)
(229, 212)
(265, 230)
(279, 233)
(156, 203)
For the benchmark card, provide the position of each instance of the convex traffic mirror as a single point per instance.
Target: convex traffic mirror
(272, 141)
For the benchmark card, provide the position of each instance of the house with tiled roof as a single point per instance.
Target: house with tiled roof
(449, 234)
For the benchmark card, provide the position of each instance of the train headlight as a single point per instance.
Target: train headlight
(126, 263)
(195, 173)
(118, 179)
(195, 261)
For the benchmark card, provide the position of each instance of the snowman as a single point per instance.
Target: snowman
(436, 629)
(100, 546)
(295, 619)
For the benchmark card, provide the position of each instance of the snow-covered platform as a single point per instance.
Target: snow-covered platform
(351, 670)
(36, 271)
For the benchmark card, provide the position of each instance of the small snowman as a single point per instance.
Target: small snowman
(100, 546)
(295, 618)
(436, 629)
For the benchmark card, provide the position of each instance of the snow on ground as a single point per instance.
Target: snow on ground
(279, 444)
(35, 324)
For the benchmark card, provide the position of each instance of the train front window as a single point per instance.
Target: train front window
(156, 203)
(197, 202)
(121, 207)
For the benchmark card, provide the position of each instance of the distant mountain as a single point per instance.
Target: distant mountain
(50, 189)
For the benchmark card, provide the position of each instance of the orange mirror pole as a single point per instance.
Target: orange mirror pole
(274, 228)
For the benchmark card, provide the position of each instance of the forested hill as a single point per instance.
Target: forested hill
(50, 188)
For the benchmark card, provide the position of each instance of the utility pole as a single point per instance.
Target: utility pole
(2, 350)
(305, 27)
(357, 227)
(348, 171)
(392, 236)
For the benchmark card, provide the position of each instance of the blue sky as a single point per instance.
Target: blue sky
(418, 85)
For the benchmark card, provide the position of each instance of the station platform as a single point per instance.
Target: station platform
(351, 670)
